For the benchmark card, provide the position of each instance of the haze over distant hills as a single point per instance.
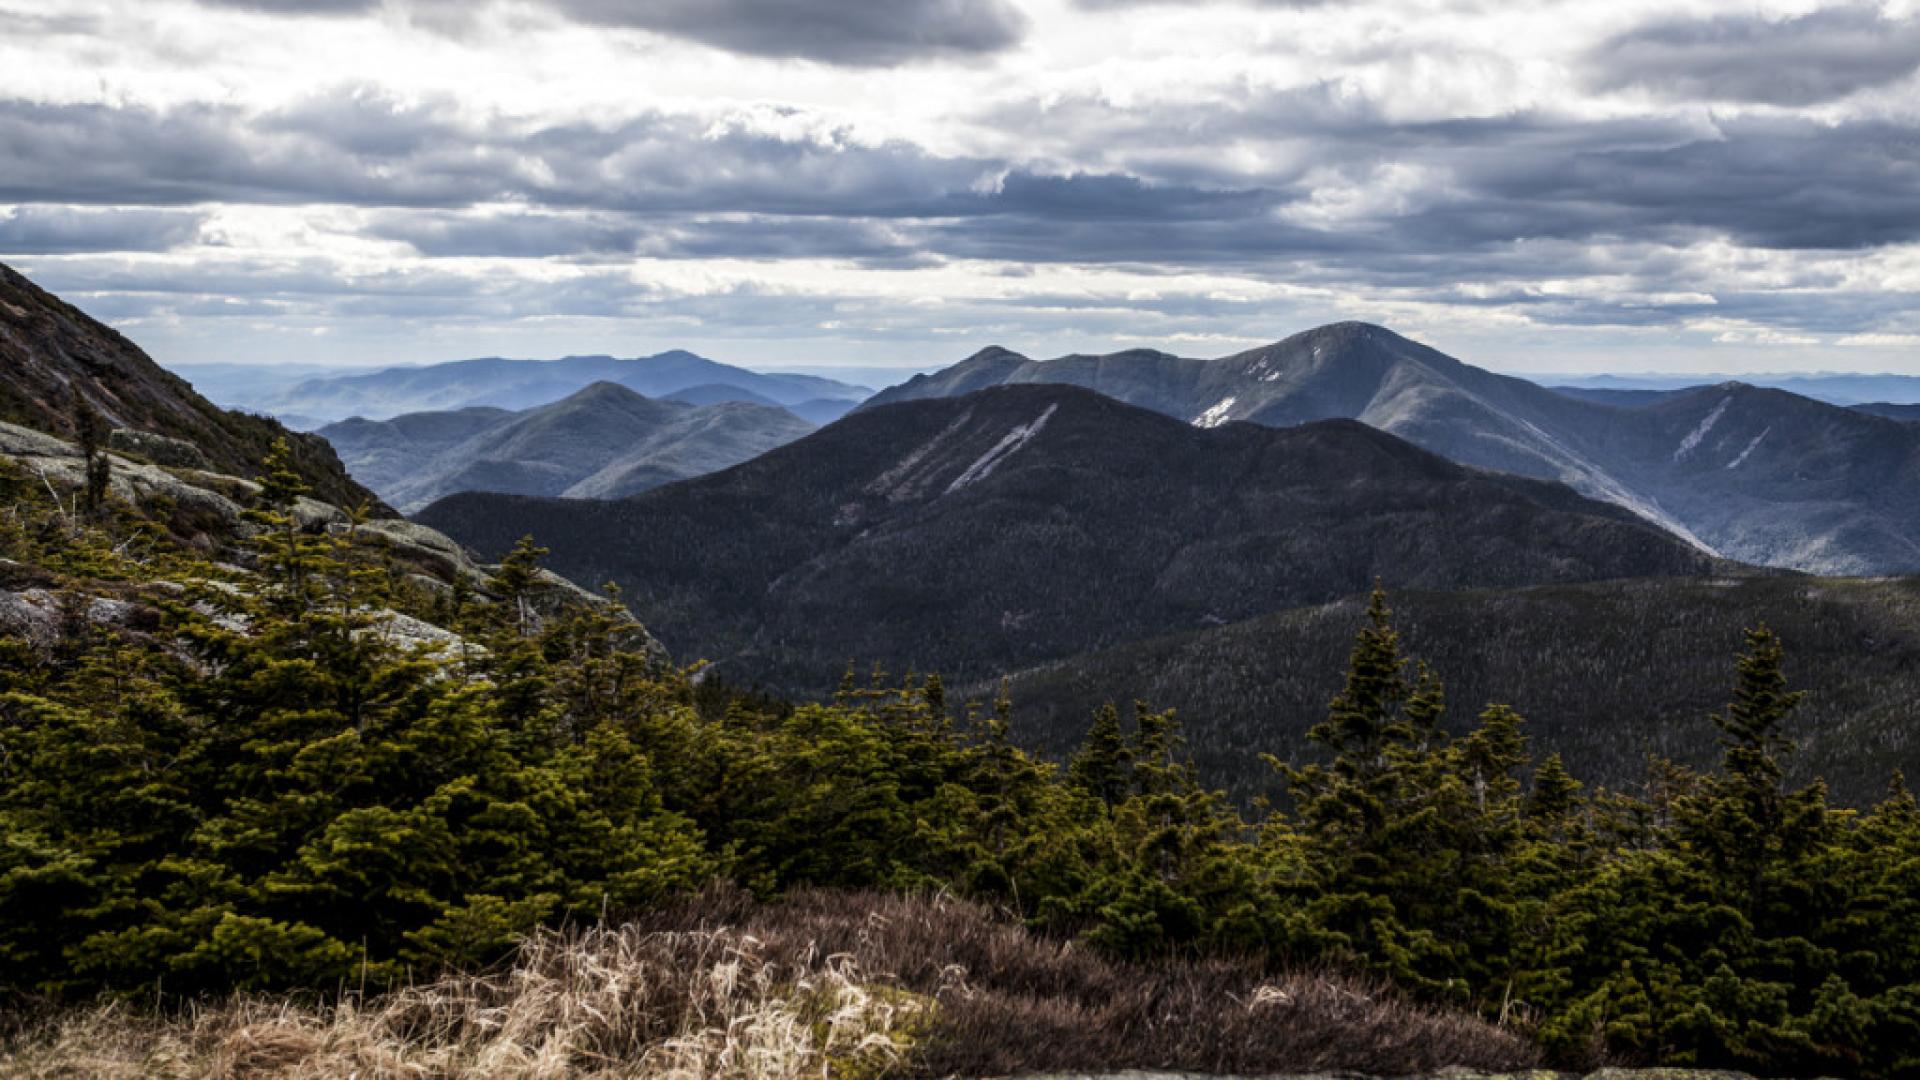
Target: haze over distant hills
(604, 441)
(502, 383)
(1759, 475)
(1026, 522)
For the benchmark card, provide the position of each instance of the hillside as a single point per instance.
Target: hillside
(1604, 673)
(1893, 410)
(1761, 476)
(48, 348)
(522, 384)
(601, 442)
(1026, 522)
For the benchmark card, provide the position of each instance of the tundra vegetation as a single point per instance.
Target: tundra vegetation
(245, 828)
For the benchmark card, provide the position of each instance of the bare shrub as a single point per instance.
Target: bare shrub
(820, 984)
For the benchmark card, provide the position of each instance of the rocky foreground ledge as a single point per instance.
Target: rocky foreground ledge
(1444, 1074)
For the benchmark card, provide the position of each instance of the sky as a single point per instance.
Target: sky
(1636, 185)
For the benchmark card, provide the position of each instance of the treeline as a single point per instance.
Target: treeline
(1607, 674)
(259, 782)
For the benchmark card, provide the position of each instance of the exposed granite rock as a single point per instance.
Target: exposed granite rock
(219, 503)
(159, 449)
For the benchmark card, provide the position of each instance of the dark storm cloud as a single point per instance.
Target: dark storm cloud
(1817, 57)
(856, 33)
(1784, 184)
(849, 33)
(1415, 206)
(43, 230)
(363, 149)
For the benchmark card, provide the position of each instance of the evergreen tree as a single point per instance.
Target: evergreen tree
(1103, 767)
(91, 432)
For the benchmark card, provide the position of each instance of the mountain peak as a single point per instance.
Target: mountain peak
(603, 390)
(991, 354)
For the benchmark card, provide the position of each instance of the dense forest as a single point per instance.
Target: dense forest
(225, 776)
(1607, 673)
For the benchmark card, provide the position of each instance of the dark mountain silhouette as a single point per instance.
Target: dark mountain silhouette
(1763, 476)
(1894, 410)
(49, 350)
(1026, 522)
(602, 442)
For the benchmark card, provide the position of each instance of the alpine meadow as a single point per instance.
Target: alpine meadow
(520, 556)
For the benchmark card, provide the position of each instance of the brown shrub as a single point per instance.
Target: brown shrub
(822, 983)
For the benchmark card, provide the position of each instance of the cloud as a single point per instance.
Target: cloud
(1112, 5)
(856, 33)
(41, 230)
(850, 33)
(365, 148)
(1818, 57)
(587, 236)
(299, 7)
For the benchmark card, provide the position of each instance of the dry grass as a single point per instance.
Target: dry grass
(820, 985)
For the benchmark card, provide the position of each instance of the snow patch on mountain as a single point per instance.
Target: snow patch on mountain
(1693, 437)
(1751, 447)
(1008, 445)
(1216, 415)
(894, 484)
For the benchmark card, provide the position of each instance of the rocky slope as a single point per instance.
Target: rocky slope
(205, 511)
(1762, 476)
(1028, 522)
(602, 442)
(50, 349)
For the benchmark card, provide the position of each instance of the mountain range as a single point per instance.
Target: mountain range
(501, 383)
(1758, 475)
(51, 350)
(604, 441)
(1095, 549)
(1895, 410)
(1020, 523)
(1835, 388)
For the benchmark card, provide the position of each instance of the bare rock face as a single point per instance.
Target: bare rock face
(217, 504)
(159, 449)
(42, 616)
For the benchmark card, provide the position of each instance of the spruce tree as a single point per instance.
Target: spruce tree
(1103, 767)
(91, 431)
